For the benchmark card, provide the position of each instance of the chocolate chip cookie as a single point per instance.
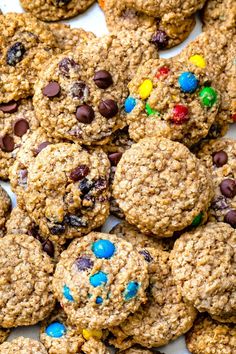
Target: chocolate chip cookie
(220, 14)
(25, 44)
(172, 184)
(5, 206)
(22, 345)
(171, 98)
(25, 289)
(199, 258)
(16, 119)
(53, 10)
(208, 336)
(80, 95)
(99, 280)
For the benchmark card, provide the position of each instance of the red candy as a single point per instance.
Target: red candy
(234, 117)
(162, 71)
(180, 114)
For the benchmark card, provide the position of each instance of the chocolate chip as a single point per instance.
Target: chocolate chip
(20, 127)
(15, 53)
(85, 114)
(48, 247)
(34, 231)
(75, 221)
(52, 89)
(10, 107)
(65, 65)
(7, 143)
(84, 263)
(80, 90)
(230, 218)
(115, 158)
(228, 187)
(160, 39)
(108, 108)
(219, 203)
(41, 147)
(103, 79)
(85, 186)
(57, 229)
(79, 173)
(146, 255)
(220, 158)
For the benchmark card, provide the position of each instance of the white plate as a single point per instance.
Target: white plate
(93, 20)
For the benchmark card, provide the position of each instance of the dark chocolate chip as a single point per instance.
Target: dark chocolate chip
(230, 218)
(79, 173)
(57, 229)
(10, 107)
(34, 231)
(85, 186)
(41, 147)
(146, 255)
(84, 263)
(75, 221)
(103, 79)
(80, 90)
(108, 108)
(7, 143)
(48, 247)
(228, 187)
(65, 65)
(20, 127)
(15, 53)
(52, 89)
(115, 158)
(160, 39)
(220, 158)
(85, 114)
(219, 203)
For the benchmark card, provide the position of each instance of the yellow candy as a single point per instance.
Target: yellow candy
(92, 333)
(145, 89)
(198, 60)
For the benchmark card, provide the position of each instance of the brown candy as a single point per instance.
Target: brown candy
(108, 108)
(52, 89)
(7, 143)
(20, 127)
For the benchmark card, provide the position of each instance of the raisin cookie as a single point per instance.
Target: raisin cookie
(16, 119)
(54, 10)
(25, 290)
(199, 258)
(220, 14)
(211, 337)
(171, 98)
(67, 192)
(25, 44)
(5, 206)
(79, 96)
(99, 280)
(22, 345)
(172, 184)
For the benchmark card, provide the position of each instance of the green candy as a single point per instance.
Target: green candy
(150, 111)
(197, 220)
(208, 96)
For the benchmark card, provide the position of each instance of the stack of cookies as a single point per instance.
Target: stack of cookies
(92, 127)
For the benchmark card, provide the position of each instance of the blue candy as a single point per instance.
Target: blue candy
(188, 82)
(99, 300)
(56, 330)
(131, 290)
(130, 103)
(97, 279)
(103, 249)
(67, 293)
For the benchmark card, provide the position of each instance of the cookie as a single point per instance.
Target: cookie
(210, 337)
(22, 345)
(68, 38)
(199, 258)
(169, 98)
(67, 191)
(166, 25)
(25, 44)
(161, 187)
(80, 95)
(164, 317)
(99, 280)
(93, 346)
(4, 333)
(5, 206)
(26, 291)
(21, 223)
(219, 158)
(16, 119)
(137, 350)
(59, 336)
(220, 14)
(54, 10)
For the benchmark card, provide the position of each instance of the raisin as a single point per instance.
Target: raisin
(15, 53)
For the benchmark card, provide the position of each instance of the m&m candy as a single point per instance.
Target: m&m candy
(56, 330)
(103, 249)
(188, 82)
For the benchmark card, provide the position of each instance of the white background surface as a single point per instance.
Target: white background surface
(93, 20)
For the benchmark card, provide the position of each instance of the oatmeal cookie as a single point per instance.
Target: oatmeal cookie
(169, 98)
(199, 258)
(5, 206)
(4, 333)
(25, 289)
(79, 96)
(67, 191)
(99, 280)
(93, 346)
(220, 14)
(210, 337)
(16, 119)
(22, 345)
(138, 350)
(172, 184)
(25, 44)
(54, 10)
